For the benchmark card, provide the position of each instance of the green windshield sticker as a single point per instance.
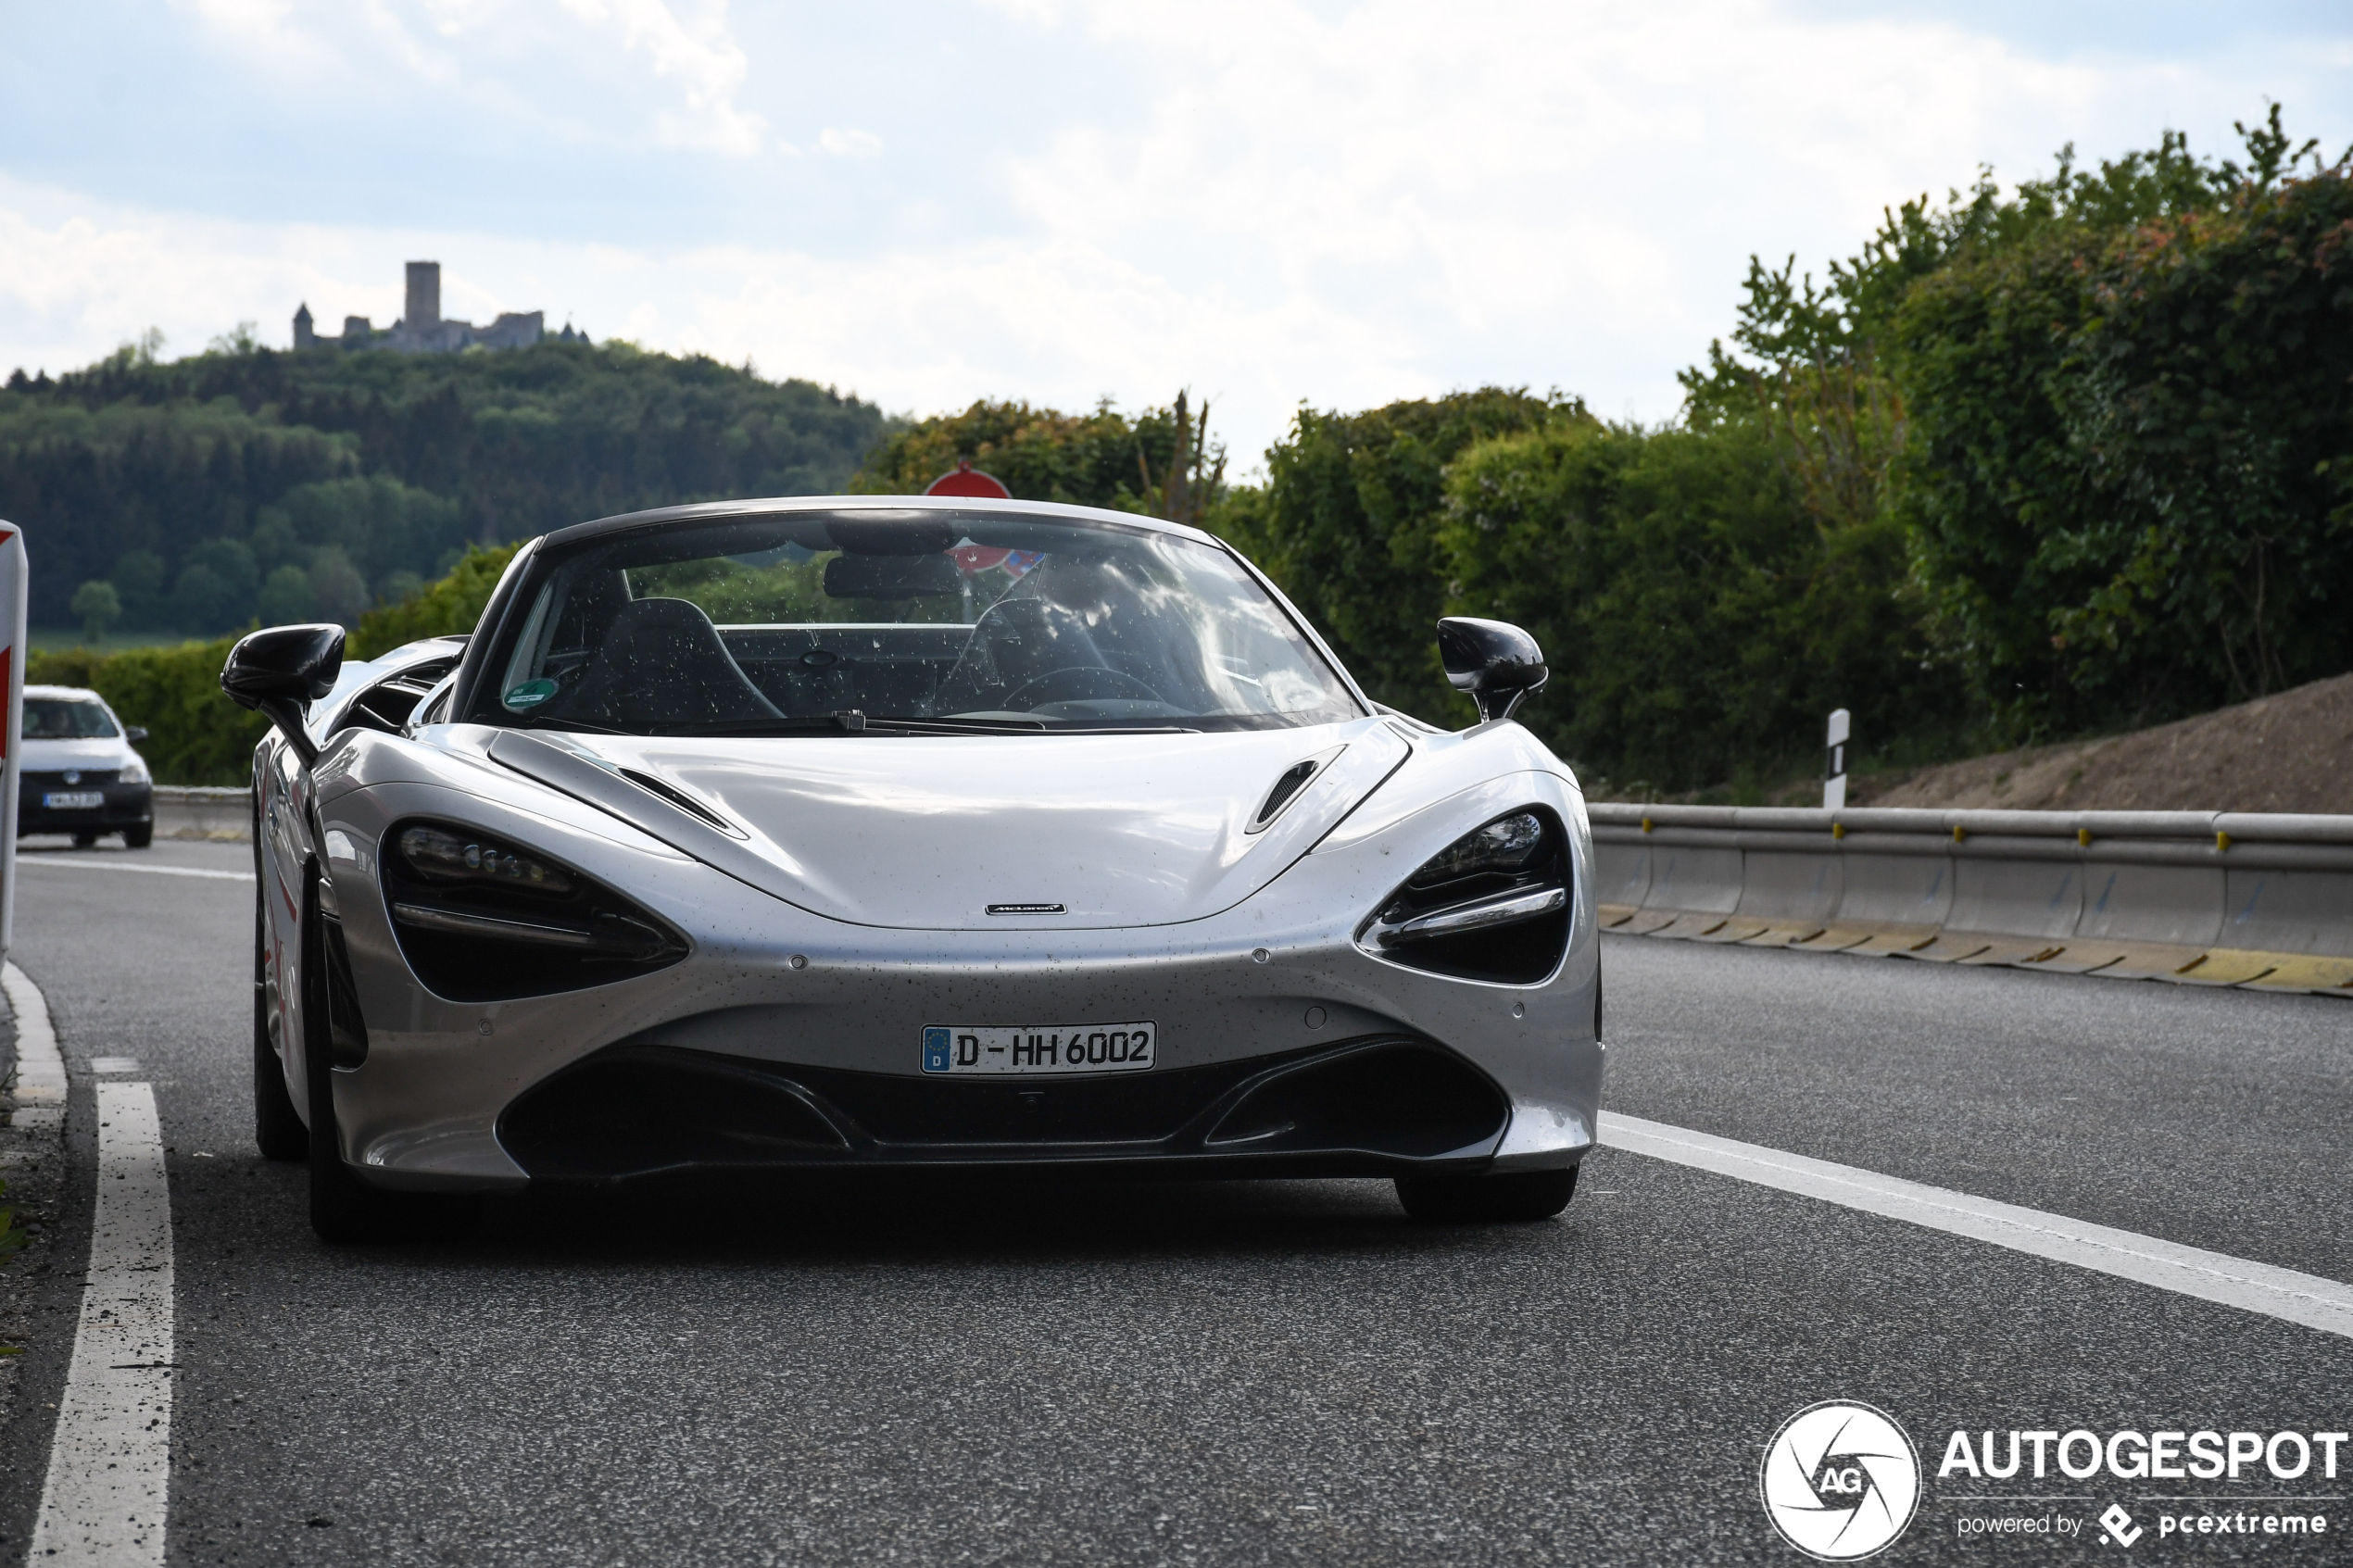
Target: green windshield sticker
(531, 694)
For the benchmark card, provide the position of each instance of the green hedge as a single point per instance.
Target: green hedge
(195, 735)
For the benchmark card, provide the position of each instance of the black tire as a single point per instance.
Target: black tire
(1511, 1196)
(86, 841)
(140, 837)
(277, 1131)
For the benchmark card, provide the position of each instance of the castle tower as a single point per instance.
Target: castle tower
(424, 298)
(304, 337)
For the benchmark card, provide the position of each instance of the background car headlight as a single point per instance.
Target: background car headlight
(135, 771)
(1493, 905)
(482, 920)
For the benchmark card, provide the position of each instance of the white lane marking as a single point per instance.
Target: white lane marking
(41, 1073)
(2294, 1297)
(83, 864)
(110, 1461)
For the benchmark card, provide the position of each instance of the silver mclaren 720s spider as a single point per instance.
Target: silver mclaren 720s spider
(876, 832)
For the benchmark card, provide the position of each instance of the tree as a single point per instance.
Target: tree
(342, 592)
(1193, 480)
(1701, 619)
(286, 598)
(1101, 459)
(138, 578)
(1348, 525)
(218, 588)
(404, 461)
(2127, 480)
(99, 606)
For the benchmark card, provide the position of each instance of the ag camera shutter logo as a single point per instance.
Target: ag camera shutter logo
(1841, 1480)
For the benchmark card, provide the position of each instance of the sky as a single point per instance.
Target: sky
(1268, 203)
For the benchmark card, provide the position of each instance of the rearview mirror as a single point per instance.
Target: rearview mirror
(282, 671)
(891, 577)
(1495, 661)
(134, 735)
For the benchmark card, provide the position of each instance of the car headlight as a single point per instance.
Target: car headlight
(133, 771)
(1493, 905)
(480, 919)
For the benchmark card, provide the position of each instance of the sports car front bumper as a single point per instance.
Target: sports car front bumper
(1284, 1047)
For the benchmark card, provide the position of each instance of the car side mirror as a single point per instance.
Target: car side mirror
(1495, 661)
(282, 671)
(134, 735)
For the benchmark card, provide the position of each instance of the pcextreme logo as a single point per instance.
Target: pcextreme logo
(1839, 1481)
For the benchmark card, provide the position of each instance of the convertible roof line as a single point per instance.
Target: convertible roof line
(720, 511)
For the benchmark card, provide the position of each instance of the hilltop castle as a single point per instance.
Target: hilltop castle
(423, 328)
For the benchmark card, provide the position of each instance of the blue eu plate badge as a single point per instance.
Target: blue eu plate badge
(934, 1050)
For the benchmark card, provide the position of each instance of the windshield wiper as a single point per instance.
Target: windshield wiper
(951, 724)
(555, 721)
(909, 724)
(850, 721)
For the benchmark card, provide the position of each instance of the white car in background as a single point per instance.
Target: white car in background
(77, 774)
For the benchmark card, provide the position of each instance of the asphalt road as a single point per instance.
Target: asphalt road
(1230, 1373)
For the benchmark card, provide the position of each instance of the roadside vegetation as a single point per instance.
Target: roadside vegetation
(2063, 460)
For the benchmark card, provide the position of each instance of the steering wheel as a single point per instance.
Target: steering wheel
(1068, 686)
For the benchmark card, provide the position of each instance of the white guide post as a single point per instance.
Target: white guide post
(13, 576)
(1835, 766)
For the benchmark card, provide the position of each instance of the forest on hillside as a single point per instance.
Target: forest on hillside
(245, 483)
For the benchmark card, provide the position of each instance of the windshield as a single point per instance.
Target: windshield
(828, 621)
(65, 718)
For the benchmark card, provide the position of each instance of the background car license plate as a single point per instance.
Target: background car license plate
(1064, 1047)
(73, 800)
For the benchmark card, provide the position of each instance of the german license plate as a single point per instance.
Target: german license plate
(73, 800)
(1040, 1047)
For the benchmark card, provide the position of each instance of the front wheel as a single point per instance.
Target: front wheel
(139, 837)
(1505, 1196)
(277, 1126)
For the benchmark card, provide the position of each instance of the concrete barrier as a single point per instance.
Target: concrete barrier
(2196, 897)
(189, 811)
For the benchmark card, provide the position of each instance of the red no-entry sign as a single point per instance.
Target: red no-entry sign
(966, 479)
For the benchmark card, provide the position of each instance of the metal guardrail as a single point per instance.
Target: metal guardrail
(2203, 898)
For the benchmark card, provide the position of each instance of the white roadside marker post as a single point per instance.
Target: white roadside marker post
(1835, 765)
(12, 656)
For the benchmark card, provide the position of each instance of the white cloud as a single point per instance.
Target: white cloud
(1294, 201)
(850, 144)
(695, 50)
(529, 57)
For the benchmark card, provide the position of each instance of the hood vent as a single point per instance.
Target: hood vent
(1287, 789)
(681, 799)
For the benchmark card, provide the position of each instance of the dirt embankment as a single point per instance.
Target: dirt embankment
(2292, 752)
